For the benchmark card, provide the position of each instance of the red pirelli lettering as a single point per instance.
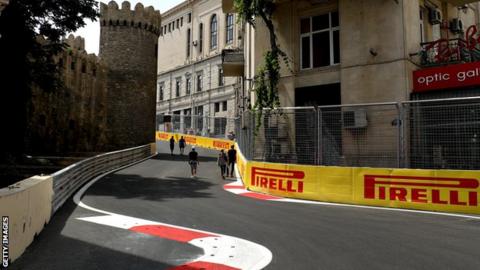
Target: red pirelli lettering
(281, 180)
(443, 190)
(220, 144)
(190, 140)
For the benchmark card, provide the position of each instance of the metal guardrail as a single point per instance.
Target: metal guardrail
(69, 179)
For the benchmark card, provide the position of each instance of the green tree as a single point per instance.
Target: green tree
(268, 75)
(30, 35)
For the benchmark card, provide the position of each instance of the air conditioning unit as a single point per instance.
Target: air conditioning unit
(434, 16)
(456, 26)
(354, 118)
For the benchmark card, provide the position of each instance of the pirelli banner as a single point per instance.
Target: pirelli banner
(205, 142)
(431, 190)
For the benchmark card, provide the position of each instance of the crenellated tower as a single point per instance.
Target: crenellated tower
(128, 47)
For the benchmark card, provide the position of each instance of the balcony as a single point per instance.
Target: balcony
(233, 63)
(227, 6)
(451, 51)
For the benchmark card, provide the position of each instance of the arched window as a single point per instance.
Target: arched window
(213, 32)
(229, 23)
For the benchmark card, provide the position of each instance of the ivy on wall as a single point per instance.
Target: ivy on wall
(268, 75)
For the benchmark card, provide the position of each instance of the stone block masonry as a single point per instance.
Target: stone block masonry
(128, 46)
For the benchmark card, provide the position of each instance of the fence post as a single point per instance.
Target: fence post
(319, 137)
(400, 135)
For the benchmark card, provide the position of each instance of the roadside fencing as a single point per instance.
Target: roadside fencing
(69, 179)
(198, 125)
(428, 134)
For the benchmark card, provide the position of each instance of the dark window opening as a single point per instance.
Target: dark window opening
(200, 37)
(229, 34)
(188, 42)
(306, 124)
(213, 32)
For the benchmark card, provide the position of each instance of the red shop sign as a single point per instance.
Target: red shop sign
(451, 76)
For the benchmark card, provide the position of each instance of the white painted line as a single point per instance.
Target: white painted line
(219, 249)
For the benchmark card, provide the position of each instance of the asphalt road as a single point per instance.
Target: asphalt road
(300, 236)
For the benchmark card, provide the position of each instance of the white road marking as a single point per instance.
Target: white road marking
(219, 249)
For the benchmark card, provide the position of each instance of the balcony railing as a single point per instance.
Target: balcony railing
(233, 63)
(449, 51)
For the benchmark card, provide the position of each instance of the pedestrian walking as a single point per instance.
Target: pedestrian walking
(222, 163)
(232, 159)
(181, 144)
(193, 161)
(172, 145)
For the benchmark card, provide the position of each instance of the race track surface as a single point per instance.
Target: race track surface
(299, 236)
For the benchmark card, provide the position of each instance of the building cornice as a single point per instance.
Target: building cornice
(180, 7)
(189, 65)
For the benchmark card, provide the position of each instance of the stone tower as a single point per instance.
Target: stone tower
(128, 47)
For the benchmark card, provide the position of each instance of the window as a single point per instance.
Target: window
(199, 120)
(187, 119)
(188, 42)
(84, 68)
(220, 126)
(178, 23)
(177, 88)
(217, 106)
(169, 27)
(221, 79)
(72, 65)
(319, 39)
(181, 21)
(199, 82)
(422, 24)
(213, 32)
(229, 28)
(224, 106)
(160, 92)
(200, 37)
(188, 87)
(189, 17)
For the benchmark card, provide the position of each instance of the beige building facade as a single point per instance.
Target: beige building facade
(363, 51)
(190, 77)
(367, 48)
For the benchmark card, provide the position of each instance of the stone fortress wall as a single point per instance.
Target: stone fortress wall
(108, 101)
(72, 118)
(128, 46)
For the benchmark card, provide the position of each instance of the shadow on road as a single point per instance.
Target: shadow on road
(66, 243)
(127, 186)
(176, 157)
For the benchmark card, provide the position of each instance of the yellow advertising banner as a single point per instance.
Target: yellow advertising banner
(431, 190)
(211, 143)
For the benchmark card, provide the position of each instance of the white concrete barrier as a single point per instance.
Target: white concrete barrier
(28, 206)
